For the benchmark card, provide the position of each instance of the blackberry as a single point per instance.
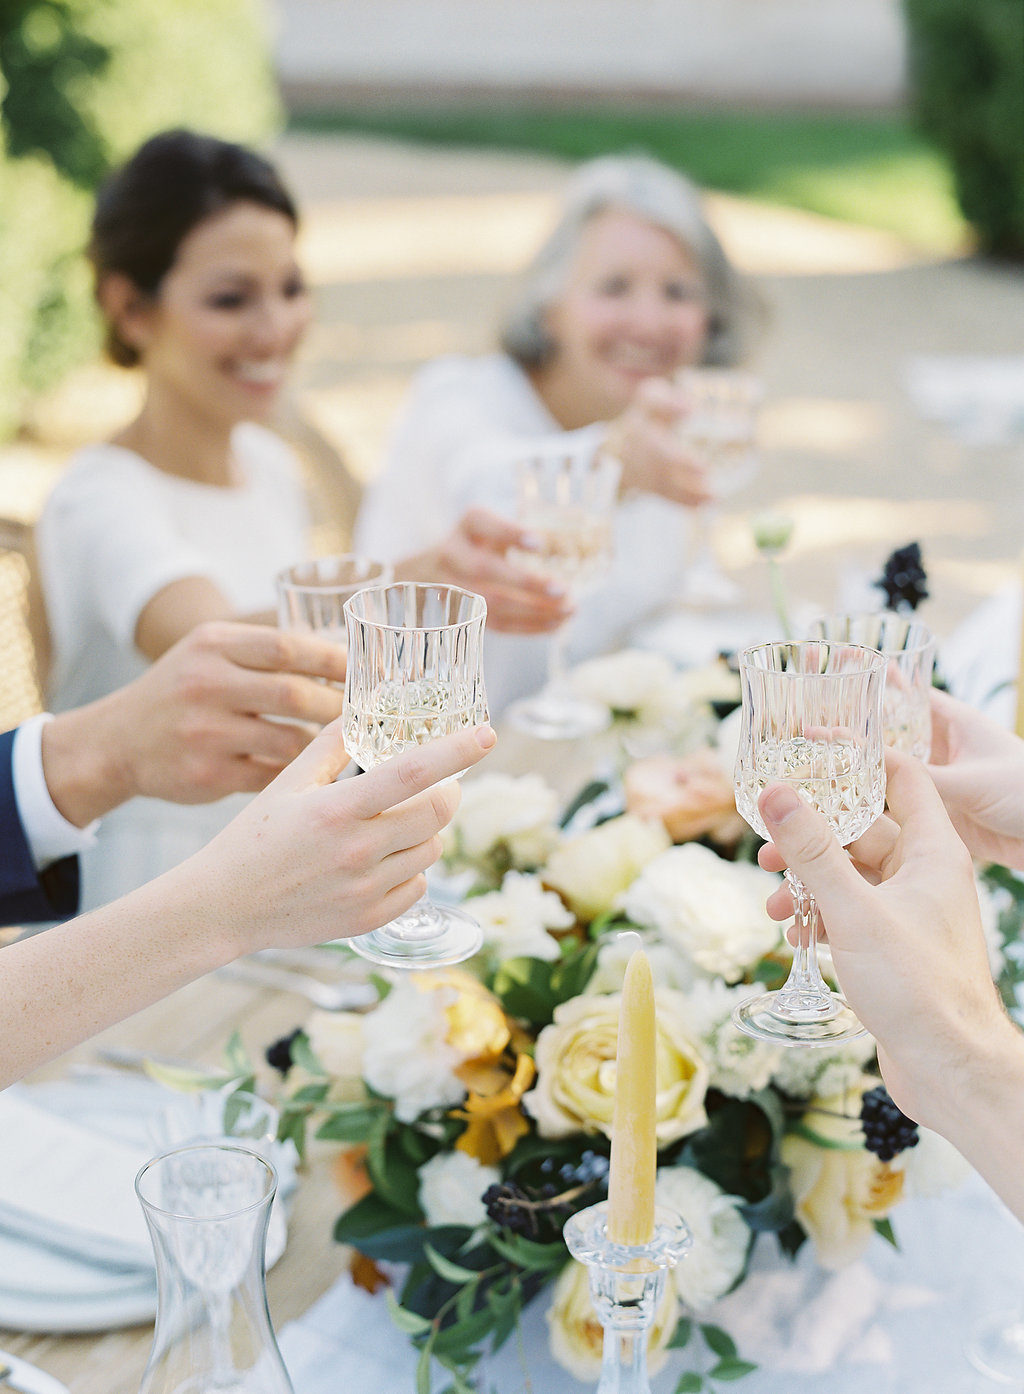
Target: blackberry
(279, 1055)
(509, 1206)
(887, 1129)
(903, 580)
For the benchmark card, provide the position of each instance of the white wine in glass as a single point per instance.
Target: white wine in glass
(567, 502)
(812, 719)
(415, 672)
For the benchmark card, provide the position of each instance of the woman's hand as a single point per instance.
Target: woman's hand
(475, 555)
(647, 442)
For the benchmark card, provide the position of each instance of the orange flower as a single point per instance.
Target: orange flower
(692, 796)
(477, 1027)
(495, 1119)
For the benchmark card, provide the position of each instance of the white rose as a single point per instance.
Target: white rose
(629, 683)
(592, 870)
(451, 1187)
(668, 968)
(336, 1039)
(575, 1056)
(710, 909)
(407, 1056)
(738, 1063)
(933, 1166)
(576, 1334)
(721, 1236)
(515, 920)
(503, 815)
(711, 682)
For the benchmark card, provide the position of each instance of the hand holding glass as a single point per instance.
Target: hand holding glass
(415, 672)
(812, 719)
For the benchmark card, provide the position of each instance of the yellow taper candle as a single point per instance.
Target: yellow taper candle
(634, 1158)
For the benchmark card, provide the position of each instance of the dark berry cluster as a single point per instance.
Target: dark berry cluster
(590, 1170)
(887, 1129)
(903, 579)
(509, 1206)
(279, 1054)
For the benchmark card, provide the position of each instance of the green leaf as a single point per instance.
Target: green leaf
(571, 976)
(829, 1143)
(458, 1339)
(292, 1128)
(681, 1335)
(183, 1079)
(731, 1369)
(352, 1123)
(775, 1210)
(587, 794)
(423, 1366)
(302, 1055)
(885, 1229)
(529, 1255)
(368, 1217)
(395, 1175)
(719, 1341)
(409, 1322)
(690, 1383)
(445, 1268)
(523, 987)
(236, 1057)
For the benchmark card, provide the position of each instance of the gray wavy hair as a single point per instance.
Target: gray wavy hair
(660, 196)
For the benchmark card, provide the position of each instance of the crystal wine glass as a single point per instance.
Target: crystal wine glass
(908, 648)
(415, 672)
(311, 596)
(567, 502)
(812, 719)
(720, 430)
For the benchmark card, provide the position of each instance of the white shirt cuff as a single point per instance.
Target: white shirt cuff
(49, 834)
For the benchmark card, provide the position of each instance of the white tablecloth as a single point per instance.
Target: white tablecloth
(892, 1323)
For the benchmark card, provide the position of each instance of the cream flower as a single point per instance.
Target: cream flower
(631, 683)
(592, 870)
(668, 968)
(503, 821)
(710, 909)
(451, 1187)
(515, 920)
(839, 1187)
(738, 1063)
(933, 1166)
(407, 1055)
(822, 1072)
(575, 1058)
(721, 1237)
(576, 1334)
(336, 1039)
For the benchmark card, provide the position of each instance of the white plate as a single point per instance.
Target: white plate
(43, 1290)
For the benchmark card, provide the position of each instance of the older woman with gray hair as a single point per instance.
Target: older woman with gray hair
(631, 286)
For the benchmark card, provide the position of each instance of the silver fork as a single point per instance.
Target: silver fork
(329, 997)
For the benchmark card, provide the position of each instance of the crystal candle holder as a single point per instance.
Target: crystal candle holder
(626, 1285)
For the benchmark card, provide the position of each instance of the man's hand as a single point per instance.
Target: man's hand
(475, 555)
(191, 729)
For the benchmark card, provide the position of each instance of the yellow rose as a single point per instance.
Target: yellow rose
(477, 1027)
(840, 1188)
(576, 1334)
(575, 1058)
(592, 870)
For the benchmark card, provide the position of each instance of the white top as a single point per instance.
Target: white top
(113, 533)
(48, 833)
(465, 423)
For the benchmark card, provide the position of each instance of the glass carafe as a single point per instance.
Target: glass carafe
(207, 1208)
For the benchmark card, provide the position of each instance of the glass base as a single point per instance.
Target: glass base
(996, 1347)
(553, 717)
(455, 936)
(762, 1018)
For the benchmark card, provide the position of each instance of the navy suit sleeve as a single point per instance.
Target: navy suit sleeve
(25, 894)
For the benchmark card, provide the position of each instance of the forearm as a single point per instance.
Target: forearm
(61, 987)
(982, 1112)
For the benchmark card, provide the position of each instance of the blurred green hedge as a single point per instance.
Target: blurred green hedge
(82, 83)
(967, 80)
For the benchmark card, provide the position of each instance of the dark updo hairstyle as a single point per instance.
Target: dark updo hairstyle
(147, 208)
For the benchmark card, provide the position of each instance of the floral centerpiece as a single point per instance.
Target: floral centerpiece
(473, 1105)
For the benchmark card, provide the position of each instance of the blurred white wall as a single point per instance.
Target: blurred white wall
(776, 52)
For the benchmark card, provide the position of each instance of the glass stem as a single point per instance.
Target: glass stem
(805, 995)
(624, 1362)
(558, 666)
